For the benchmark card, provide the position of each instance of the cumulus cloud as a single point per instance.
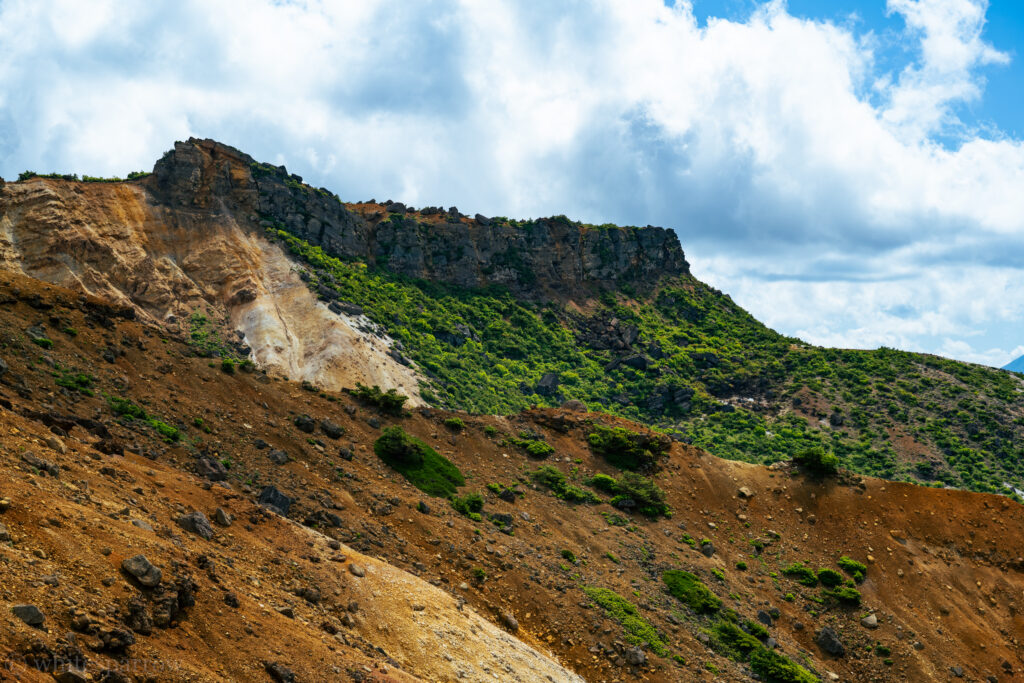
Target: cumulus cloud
(837, 201)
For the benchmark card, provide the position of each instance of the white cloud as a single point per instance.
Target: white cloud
(800, 177)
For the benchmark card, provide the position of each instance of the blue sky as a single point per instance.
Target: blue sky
(849, 171)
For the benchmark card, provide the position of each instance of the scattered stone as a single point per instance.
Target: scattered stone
(957, 671)
(211, 469)
(143, 570)
(222, 518)
(423, 507)
(279, 672)
(828, 640)
(345, 453)
(69, 673)
(870, 621)
(274, 500)
(575, 406)
(5, 535)
(745, 492)
(29, 614)
(231, 600)
(304, 423)
(356, 570)
(332, 430)
(310, 594)
(142, 524)
(510, 621)
(764, 617)
(56, 444)
(708, 549)
(43, 466)
(196, 523)
(635, 656)
(277, 456)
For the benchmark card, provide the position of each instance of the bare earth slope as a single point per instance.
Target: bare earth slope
(358, 581)
(112, 240)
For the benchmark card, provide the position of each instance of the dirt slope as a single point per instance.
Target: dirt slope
(111, 240)
(944, 577)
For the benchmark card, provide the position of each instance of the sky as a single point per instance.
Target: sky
(850, 171)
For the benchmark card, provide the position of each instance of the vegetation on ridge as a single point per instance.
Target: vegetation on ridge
(692, 363)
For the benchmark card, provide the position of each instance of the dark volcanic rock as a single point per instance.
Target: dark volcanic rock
(30, 614)
(828, 640)
(551, 257)
(143, 570)
(196, 523)
(272, 498)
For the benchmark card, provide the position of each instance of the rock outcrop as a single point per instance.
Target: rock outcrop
(540, 258)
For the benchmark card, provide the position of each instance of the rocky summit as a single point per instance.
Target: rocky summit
(251, 432)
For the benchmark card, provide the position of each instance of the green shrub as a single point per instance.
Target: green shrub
(775, 668)
(455, 424)
(626, 449)
(602, 482)
(844, 595)
(817, 461)
(755, 628)
(467, 504)
(801, 573)
(479, 574)
(552, 479)
(43, 342)
(741, 565)
(649, 498)
(490, 430)
(829, 577)
(638, 630)
(389, 402)
(227, 366)
(535, 448)
(123, 407)
(857, 570)
(75, 381)
(569, 555)
(425, 469)
(689, 589)
(732, 641)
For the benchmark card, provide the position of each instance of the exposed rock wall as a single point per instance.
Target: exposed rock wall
(542, 258)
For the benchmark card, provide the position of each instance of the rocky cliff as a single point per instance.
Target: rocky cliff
(534, 259)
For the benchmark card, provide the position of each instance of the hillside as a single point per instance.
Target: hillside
(310, 559)
(493, 315)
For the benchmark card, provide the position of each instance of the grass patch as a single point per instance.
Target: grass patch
(687, 588)
(420, 464)
(553, 479)
(801, 574)
(638, 630)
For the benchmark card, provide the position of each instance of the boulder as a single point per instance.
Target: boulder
(196, 522)
(277, 456)
(273, 499)
(30, 614)
(870, 621)
(304, 423)
(211, 469)
(828, 640)
(142, 570)
(332, 430)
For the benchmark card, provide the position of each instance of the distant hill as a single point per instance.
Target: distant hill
(1015, 366)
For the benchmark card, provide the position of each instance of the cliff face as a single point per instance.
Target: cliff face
(537, 259)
